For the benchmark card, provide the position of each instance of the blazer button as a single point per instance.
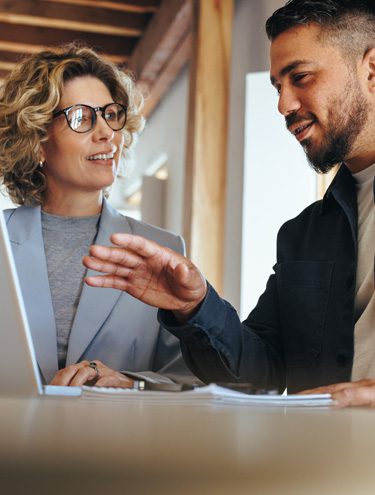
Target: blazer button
(341, 360)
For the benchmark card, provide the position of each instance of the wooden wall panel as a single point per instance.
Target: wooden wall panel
(206, 152)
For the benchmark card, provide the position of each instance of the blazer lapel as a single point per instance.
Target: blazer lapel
(25, 233)
(95, 304)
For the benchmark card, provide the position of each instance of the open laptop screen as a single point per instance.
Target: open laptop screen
(19, 374)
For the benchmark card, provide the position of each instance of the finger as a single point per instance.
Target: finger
(190, 277)
(136, 243)
(355, 396)
(64, 376)
(84, 375)
(182, 274)
(336, 387)
(328, 389)
(99, 265)
(108, 282)
(116, 380)
(115, 255)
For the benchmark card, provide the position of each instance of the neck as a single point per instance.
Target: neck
(358, 165)
(362, 154)
(81, 206)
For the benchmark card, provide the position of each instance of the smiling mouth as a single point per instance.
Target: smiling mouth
(101, 156)
(299, 130)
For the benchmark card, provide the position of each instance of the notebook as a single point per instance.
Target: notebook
(19, 372)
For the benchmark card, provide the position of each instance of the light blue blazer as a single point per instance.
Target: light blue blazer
(109, 325)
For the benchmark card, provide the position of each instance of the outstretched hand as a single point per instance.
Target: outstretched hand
(149, 272)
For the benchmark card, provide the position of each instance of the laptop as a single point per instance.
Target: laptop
(19, 372)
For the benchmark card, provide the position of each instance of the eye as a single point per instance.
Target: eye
(111, 116)
(78, 120)
(299, 77)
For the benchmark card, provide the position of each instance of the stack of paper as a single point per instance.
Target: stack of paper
(210, 394)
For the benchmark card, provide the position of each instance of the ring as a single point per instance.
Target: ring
(95, 366)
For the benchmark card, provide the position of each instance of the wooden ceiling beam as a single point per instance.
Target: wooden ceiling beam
(34, 36)
(166, 77)
(136, 6)
(79, 18)
(12, 52)
(20, 48)
(168, 28)
(6, 66)
(69, 25)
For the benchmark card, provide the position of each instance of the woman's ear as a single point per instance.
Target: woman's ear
(42, 155)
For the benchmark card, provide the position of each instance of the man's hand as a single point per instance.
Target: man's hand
(361, 393)
(151, 273)
(92, 373)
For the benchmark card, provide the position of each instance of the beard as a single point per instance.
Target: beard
(347, 116)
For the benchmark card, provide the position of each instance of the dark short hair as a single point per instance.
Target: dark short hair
(334, 17)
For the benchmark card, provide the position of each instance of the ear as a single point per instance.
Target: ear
(42, 155)
(369, 66)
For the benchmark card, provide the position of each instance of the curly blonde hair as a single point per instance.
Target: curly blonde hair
(29, 97)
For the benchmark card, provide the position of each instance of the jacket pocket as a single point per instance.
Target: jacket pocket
(303, 289)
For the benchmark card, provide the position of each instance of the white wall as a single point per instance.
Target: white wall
(164, 140)
(250, 53)
(278, 184)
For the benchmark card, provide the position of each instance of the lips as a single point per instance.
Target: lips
(300, 129)
(102, 156)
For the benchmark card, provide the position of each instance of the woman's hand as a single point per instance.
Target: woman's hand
(360, 393)
(151, 273)
(92, 373)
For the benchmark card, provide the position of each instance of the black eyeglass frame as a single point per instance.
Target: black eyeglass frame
(97, 109)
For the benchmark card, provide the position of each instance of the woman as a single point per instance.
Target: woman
(67, 118)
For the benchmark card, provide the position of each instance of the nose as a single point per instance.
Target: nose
(102, 129)
(288, 101)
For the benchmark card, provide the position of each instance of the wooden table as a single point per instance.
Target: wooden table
(69, 446)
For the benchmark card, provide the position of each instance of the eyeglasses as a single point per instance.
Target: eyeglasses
(82, 118)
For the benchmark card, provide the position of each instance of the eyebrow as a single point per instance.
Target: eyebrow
(286, 70)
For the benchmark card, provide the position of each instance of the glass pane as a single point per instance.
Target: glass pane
(80, 118)
(115, 116)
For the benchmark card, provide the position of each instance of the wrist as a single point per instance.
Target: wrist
(184, 315)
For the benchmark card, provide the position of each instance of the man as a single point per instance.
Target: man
(315, 323)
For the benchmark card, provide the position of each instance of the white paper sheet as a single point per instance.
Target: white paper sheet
(210, 394)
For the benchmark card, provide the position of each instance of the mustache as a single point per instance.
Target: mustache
(297, 119)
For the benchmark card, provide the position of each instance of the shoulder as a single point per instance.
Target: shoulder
(22, 222)
(310, 213)
(8, 213)
(301, 232)
(22, 212)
